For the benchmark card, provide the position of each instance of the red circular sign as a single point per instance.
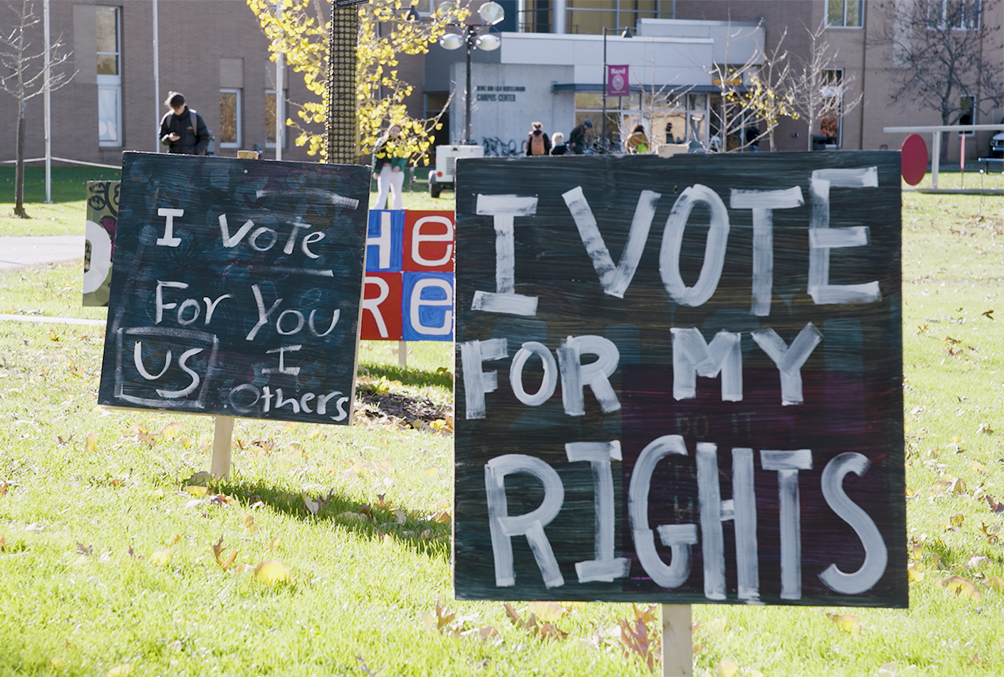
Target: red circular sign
(913, 159)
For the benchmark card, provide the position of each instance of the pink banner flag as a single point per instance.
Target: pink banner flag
(618, 83)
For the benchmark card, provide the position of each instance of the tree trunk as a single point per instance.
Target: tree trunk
(19, 168)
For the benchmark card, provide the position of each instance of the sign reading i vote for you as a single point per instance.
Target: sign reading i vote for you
(680, 381)
(236, 288)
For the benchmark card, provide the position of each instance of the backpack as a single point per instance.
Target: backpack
(195, 129)
(537, 144)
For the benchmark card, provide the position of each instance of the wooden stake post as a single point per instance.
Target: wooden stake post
(677, 642)
(222, 440)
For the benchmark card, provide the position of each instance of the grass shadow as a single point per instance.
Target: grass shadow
(424, 533)
(442, 377)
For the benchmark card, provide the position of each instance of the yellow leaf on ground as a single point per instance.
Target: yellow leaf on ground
(161, 557)
(847, 622)
(963, 587)
(92, 443)
(271, 571)
(171, 429)
(58, 663)
(123, 670)
(913, 573)
(249, 523)
(726, 669)
(995, 583)
(547, 611)
(717, 625)
(197, 491)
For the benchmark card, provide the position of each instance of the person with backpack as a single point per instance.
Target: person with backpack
(537, 142)
(389, 164)
(637, 143)
(183, 131)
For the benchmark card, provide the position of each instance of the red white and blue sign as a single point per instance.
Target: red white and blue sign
(408, 294)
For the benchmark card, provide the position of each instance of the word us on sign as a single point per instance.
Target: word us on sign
(236, 288)
(680, 381)
(408, 291)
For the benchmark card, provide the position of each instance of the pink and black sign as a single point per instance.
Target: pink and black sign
(408, 292)
(681, 382)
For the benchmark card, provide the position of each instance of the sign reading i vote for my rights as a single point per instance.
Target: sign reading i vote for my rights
(680, 380)
(236, 288)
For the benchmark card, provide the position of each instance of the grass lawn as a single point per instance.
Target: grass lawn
(114, 560)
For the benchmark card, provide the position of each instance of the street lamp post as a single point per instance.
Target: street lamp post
(626, 34)
(491, 13)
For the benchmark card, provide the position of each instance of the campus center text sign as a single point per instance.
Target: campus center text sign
(236, 288)
(408, 293)
(680, 381)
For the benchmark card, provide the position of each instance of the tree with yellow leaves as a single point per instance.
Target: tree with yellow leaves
(300, 31)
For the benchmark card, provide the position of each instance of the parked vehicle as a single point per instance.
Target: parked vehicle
(997, 145)
(446, 161)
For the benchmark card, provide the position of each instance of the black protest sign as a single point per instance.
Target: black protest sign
(236, 288)
(680, 380)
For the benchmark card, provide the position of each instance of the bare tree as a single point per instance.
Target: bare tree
(754, 97)
(817, 88)
(943, 56)
(23, 76)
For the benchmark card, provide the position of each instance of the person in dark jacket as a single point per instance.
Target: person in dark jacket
(577, 139)
(558, 146)
(183, 131)
(537, 142)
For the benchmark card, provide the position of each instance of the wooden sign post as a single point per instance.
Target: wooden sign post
(680, 381)
(236, 290)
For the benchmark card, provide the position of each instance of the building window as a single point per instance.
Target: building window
(832, 113)
(967, 112)
(844, 13)
(109, 76)
(230, 118)
(963, 15)
(270, 118)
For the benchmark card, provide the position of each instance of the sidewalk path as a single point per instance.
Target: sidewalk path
(30, 251)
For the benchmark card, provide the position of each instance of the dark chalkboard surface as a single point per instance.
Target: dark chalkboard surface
(680, 380)
(236, 288)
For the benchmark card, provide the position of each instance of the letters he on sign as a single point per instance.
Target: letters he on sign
(680, 381)
(236, 288)
(408, 292)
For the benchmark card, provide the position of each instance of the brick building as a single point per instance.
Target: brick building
(126, 62)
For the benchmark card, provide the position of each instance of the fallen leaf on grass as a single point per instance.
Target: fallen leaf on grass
(962, 587)
(440, 619)
(249, 523)
(847, 622)
(977, 560)
(161, 557)
(350, 516)
(994, 583)
(91, 445)
(543, 631)
(547, 611)
(224, 562)
(718, 625)
(995, 506)
(58, 663)
(196, 490)
(483, 633)
(726, 669)
(123, 670)
(913, 573)
(271, 571)
(171, 429)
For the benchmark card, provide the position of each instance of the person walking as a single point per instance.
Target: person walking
(388, 168)
(637, 142)
(537, 142)
(183, 131)
(558, 146)
(577, 138)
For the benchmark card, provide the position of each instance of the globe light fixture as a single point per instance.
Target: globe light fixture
(472, 38)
